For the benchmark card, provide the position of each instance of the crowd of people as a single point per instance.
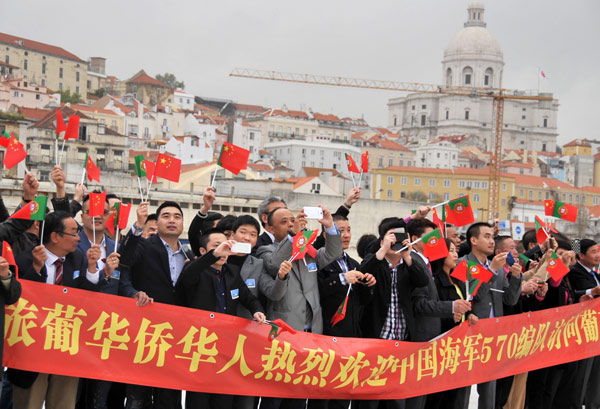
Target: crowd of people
(394, 295)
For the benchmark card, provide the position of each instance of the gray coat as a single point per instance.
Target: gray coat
(259, 282)
(485, 299)
(302, 284)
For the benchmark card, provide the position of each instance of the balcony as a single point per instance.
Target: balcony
(285, 135)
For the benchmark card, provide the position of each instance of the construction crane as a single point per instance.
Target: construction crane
(497, 94)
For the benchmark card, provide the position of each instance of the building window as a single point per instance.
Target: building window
(432, 182)
(488, 77)
(466, 114)
(446, 196)
(446, 182)
(461, 184)
(503, 187)
(423, 106)
(417, 181)
(521, 193)
(77, 76)
(447, 114)
(60, 72)
(523, 117)
(391, 162)
(43, 68)
(390, 180)
(403, 181)
(423, 120)
(402, 194)
(25, 64)
(431, 196)
(380, 162)
(389, 193)
(7, 59)
(448, 77)
(60, 86)
(43, 82)
(468, 75)
(476, 197)
(77, 90)
(545, 122)
(395, 121)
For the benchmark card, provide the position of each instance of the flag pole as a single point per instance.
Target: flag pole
(61, 152)
(441, 204)
(360, 177)
(83, 176)
(93, 230)
(56, 150)
(42, 233)
(405, 247)
(116, 238)
(212, 184)
(140, 186)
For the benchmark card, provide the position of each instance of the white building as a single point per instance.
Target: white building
(474, 58)
(183, 99)
(299, 154)
(438, 155)
(248, 136)
(191, 149)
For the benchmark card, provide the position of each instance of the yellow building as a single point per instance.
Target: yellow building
(148, 90)
(577, 147)
(45, 64)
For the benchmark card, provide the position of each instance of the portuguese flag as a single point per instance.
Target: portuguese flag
(340, 313)
(34, 210)
(438, 222)
(556, 268)
(5, 139)
(561, 210)
(277, 327)
(540, 230)
(140, 169)
(434, 246)
(351, 164)
(233, 158)
(472, 271)
(119, 217)
(459, 212)
(302, 244)
(524, 258)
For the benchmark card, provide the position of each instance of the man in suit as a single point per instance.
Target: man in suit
(212, 285)
(155, 265)
(488, 303)
(264, 208)
(56, 262)
(300, 306)
(390, 313)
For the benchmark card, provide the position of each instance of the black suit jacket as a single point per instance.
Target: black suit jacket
(332, 293)
(580, 278)
(7, 297)
(196, 287)
(409, 278)
(148, 264)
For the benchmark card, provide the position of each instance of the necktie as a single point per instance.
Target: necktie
(58, 275)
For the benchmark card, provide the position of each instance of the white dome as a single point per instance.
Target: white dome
(474, 41)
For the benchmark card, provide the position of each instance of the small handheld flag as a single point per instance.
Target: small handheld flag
(434, 246)
(72, 131)
(459, 212)
(61, 128)
(139, 166)
(5, 138)
(340, 313)
(34, 210)
(149, 169)
(364, 162)
(93, 172)
(277, 327)
(233, 158)
(439, 222)
(470, 270)
(97, 204)
(556, 268)
(302, 242)
(351, 164)
(561, 210)
(15, 153)
(9, 256)
(540, 230)
(167, 167)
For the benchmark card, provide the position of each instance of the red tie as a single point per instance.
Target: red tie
(58, 275)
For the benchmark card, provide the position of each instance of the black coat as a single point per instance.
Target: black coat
(197, 284)
(263, 240)
(148, 263)
(409, 278)
(333, 293)
(7, 297)
(447, 292)
(580, 278)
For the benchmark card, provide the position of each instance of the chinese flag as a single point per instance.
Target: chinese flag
(364, 162)
(459, 212)
(34, 210)
(61, 128)
(351, 164)
(167, 167)
(149, 168)
(556, 268)
(93, 172)
(7, 254)
(97, 201)
(5, 138)
(561, 210)
(540, 232)
(124, 211)
(15, 153)
(438, 222)
(434, 246)
(233, 158)
(72, 128)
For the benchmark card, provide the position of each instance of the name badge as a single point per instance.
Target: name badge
(116, 275)
(250, 283)
(235, 293)
(75, 274)
(312, 267)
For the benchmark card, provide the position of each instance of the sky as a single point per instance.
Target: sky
(201, 42)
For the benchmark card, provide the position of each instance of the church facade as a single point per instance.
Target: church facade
(474, 58)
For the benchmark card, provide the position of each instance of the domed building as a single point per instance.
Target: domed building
(474, 58)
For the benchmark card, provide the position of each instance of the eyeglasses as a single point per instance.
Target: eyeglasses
(87, 213)
(72, 234)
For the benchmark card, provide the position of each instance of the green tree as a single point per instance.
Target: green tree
(100, 92)
(170, 80)
(66, 96)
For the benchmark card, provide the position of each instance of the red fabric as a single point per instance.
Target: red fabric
(93, 172)
(60, 124)
(15, 153)
(167, 167)
(233, 158)
(97, 204)
(72, 128)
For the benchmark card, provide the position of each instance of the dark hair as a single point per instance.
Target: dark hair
(168, 204)
(271, 213)
(263, 207)
(389, 223)
(54, 223)
(437, 266)
(205, 238)
(339, 217)
(474, 230)
(416, 227)
(226, 223)
(585, 245)
(246, 220)
(364, 243)
(151, 217)
(86, 198)
(498, 240)
(112, 196)
(563, 244)
(528, 238)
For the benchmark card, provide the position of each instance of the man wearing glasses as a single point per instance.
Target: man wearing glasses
(57, 262)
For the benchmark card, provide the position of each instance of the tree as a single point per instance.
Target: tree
(170, 80)
(66, 96)
(100, 92)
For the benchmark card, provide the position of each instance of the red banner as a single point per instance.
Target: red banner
(73, 332)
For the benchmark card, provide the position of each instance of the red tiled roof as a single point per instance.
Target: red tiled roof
(264, 152)
(281, 167)
(33, 113)
(47, 122)
(517, 165)
(250, 108)
(298, 182)
(539, 181)
(142, 78)
(323, 117)
(286, 114)
(93, 109)
(594, 211)
(385, 144)
(148, 155)
(313, 172)
(39, 47)
(5, 64)
(259, 167)
(593, 189)
(578, 142)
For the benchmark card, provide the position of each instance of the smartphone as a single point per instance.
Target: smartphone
(510, 260)
(241, 248)
(401, 235)
(315, 213)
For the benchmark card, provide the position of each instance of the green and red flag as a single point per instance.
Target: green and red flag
(118, 217)
(97, 203)
(61, 128)
(340, 313)
(34, 210)
(302, 244)
(470, 270)
(277, 327)
(439, 222)
(524, 258)
(434, 245)
(15, 153)
(540, 230)
(459, 212)
(149, 169)
(233, 158)
(93, 172)
(364, 162)
(167, 167)
(72, 128)
(351, 164)
(5, 138)
(561, 210)
(139, 166)
(556, 268)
